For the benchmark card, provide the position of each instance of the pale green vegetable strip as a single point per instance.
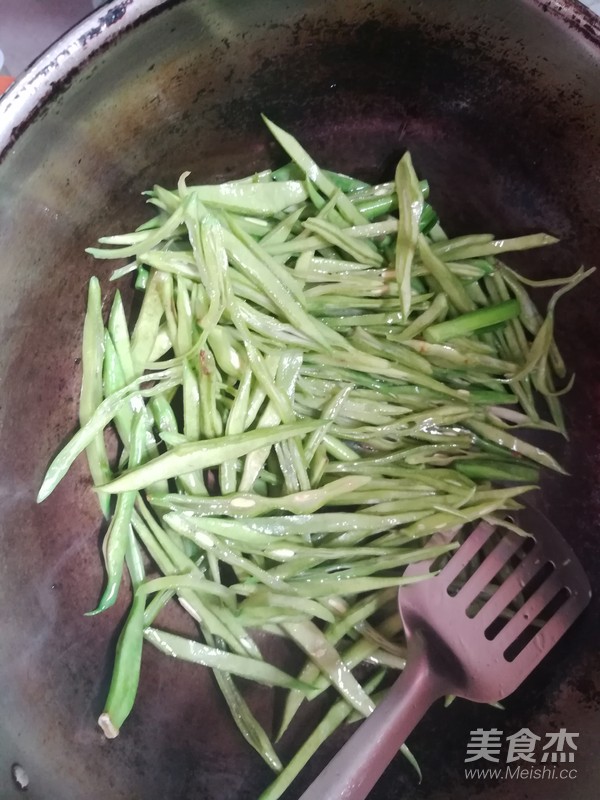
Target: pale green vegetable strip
(350, 245)
(326, 657)
(276, 291)
(354, 655)
(189, 650)
(285, 381)
(211, 262)
(503, 246)
(512, 443)
(252, 505)
(287, 279)
(410, 208)
(198, 529)
(236, 424)
(126, 671)
(320, 587)
(117, 327)
(191, 403)
(117, 537)
(156, 605)
(91, 395)
(449, 283)
(339, 712)
(280, 232)
(147, 242)
(147, 325)
(248, 725)
(306, 607)
(211, 423)
(190, 600)
(99, 420)
(199, 455)
(313, 173)
(189, 581)
(264, 199)
(184, 336)
(134, 560)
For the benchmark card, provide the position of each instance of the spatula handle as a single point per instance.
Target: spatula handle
(360, 763)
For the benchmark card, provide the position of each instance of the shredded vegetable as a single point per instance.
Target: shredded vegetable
(317, 380)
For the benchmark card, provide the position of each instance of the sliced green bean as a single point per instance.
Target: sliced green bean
(126, 672)
(92, 360)
(189, 650)
(410, 208)
(99, 420)
(198, 455)
(336, 715)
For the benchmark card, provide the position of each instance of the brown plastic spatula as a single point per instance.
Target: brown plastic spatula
(467, 636)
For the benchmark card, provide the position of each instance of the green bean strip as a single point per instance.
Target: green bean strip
(220, 624)
(276, 291)
(117, 327)
(326, 657)
(92, 359)
(99, 420)
(126, 672)
(267, 600)
(336, 715)
(287, 374)
(410, 208)
(510, 442)
(280, 232)
(184, 335)
(144, 243)
(209, 379)
(198, 455)
(354, 654)
(156, 605)
(261, 199)
(236, 424)
(477, 250)
(147, 325)
(449, 283)
(191, 581)
(189, 650)
(286, 278)
(474, 320)
(354, 247)
(252, 505)
(245, 720)
(134, 560)
(118, 534)
(312, 171)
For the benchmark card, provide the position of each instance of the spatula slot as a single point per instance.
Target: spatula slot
(498, 564)
(490, 558)
(466, 559)
(536, 626)
(519, 600)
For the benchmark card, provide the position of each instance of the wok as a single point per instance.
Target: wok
(500, 106)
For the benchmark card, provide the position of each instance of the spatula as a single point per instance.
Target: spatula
(464, 642)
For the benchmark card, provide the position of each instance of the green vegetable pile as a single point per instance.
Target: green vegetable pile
(317, 380)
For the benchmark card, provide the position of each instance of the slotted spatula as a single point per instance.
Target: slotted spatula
(459, 645)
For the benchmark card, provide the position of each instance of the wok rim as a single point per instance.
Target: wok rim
(53, 69)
